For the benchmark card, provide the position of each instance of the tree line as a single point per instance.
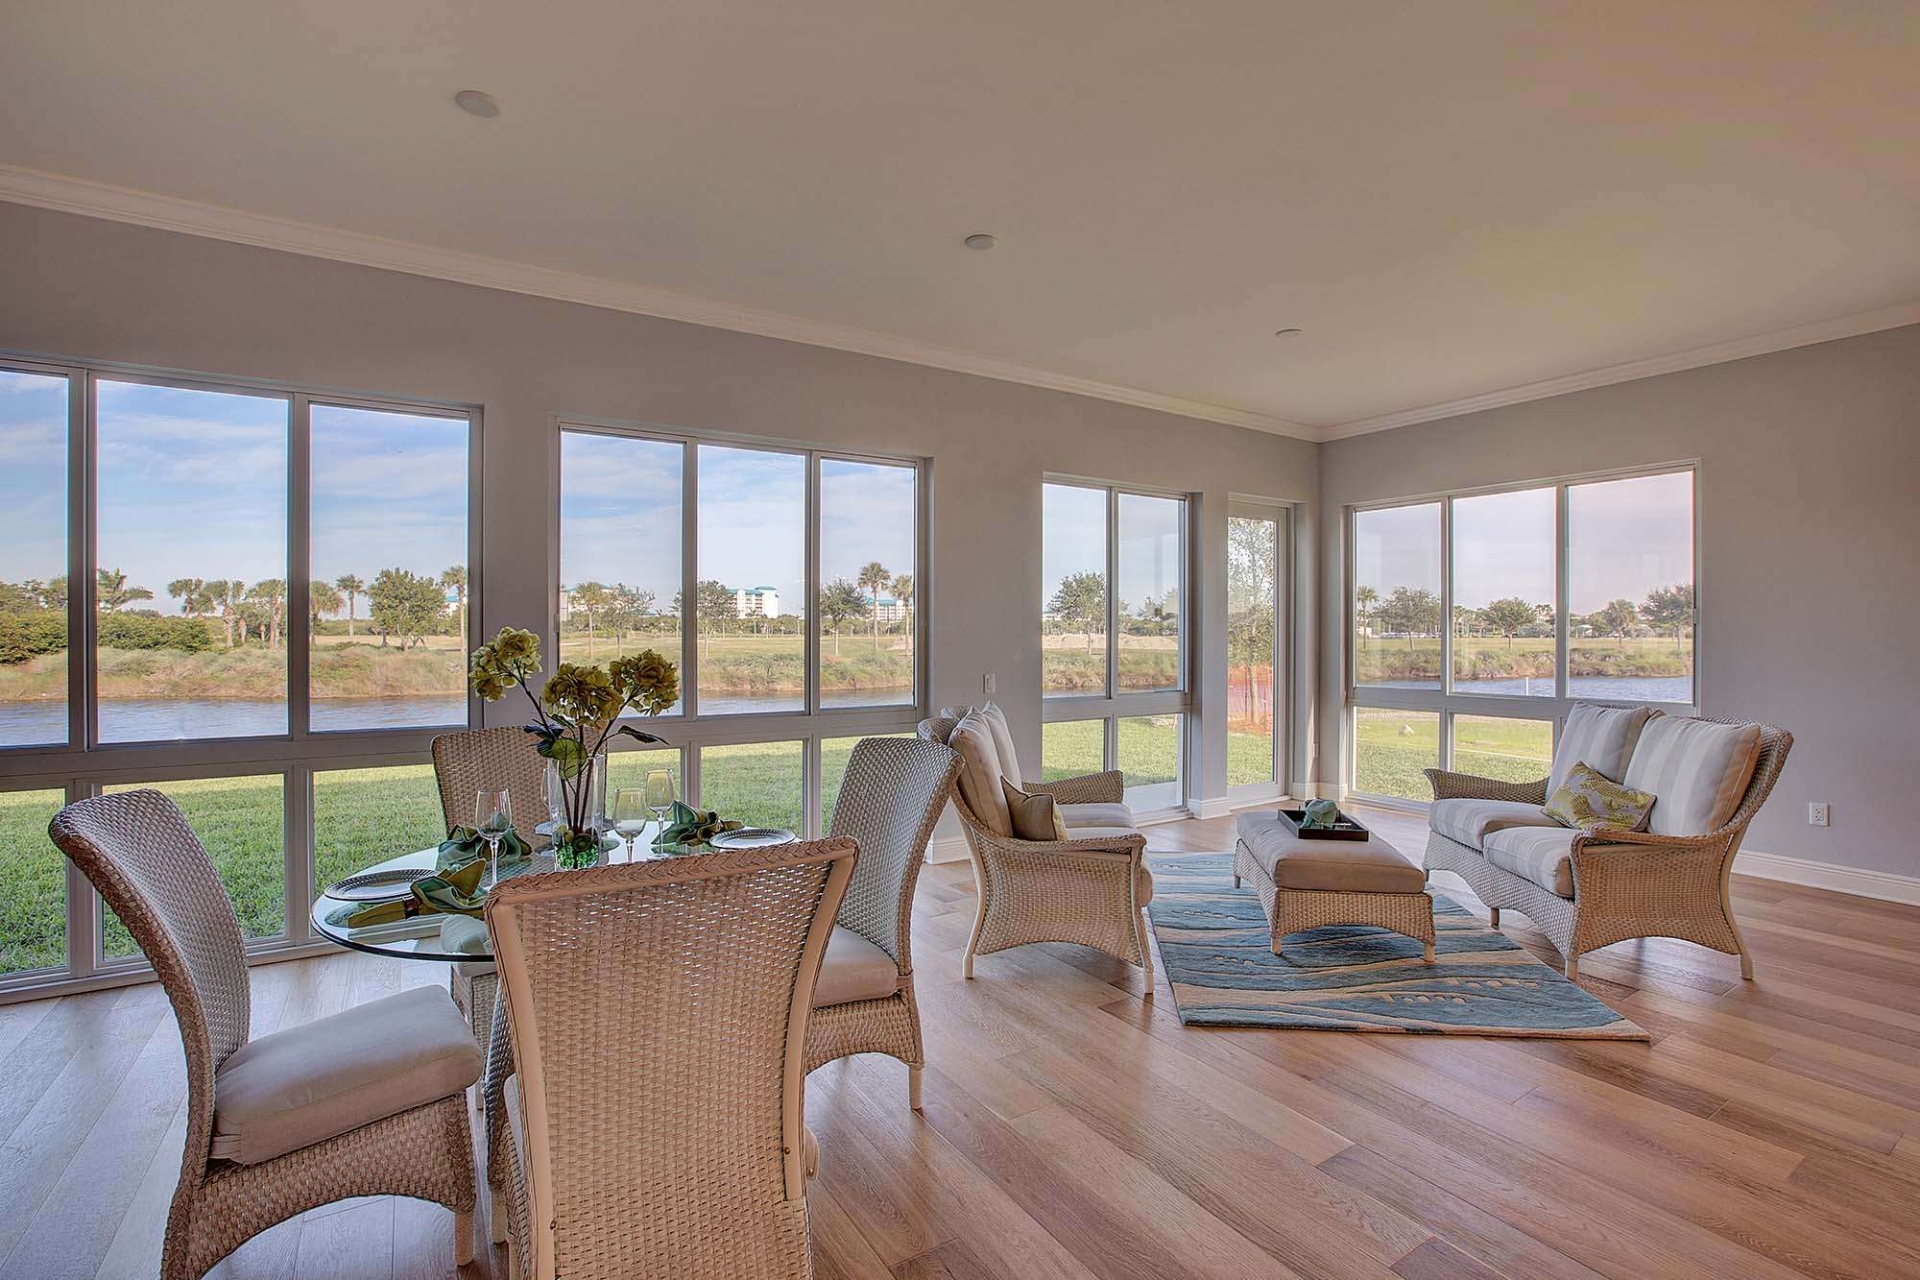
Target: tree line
(1079, 607)
(1414, 612)
(402, 606)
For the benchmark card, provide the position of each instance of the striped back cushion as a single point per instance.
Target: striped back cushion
(1699, 771)
(1601, 737)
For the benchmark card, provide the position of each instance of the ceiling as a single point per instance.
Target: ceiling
(1454, 201)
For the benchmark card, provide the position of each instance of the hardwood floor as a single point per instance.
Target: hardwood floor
(1074, 1129)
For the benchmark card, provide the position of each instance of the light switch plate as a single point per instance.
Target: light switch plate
(986, 684)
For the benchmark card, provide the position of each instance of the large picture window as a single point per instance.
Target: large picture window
(1476, 619)
(1113, 642)
(802, 629)
(230, 593)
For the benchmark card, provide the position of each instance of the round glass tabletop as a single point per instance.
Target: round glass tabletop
(446, 938)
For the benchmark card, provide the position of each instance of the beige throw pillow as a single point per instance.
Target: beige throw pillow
(1034, 817)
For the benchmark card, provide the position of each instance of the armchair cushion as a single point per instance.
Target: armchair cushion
(1699, 769)
(1096, 815)
(853, 969)
(1002, 742)
(980, 773)
(321, 1079)
(1542, 855)
(1034, 817)
(1603, 737)
(1470, 822)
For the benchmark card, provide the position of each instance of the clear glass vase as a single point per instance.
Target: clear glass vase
(577, 807)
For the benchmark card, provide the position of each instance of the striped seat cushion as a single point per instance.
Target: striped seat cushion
(1543, 855)
(1698, 770)
(1471, 821)
(1603, 737)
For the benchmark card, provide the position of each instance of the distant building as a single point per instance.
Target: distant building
(891, 610)
(755, 602)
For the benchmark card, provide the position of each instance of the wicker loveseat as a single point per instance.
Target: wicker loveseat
(1090, 888)
(1586, 891)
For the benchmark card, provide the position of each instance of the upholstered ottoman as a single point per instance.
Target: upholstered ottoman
(1304, 884)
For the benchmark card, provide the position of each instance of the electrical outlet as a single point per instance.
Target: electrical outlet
(986, 684)
(1817, 815)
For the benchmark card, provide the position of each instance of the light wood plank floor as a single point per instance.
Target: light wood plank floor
(1074, 1129)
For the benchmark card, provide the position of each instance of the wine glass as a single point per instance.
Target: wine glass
(630, 815)
(660, 794)
(492, 818)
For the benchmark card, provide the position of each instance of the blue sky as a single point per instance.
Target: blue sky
(1074, 538)
(33, 476)
(1626, 537)
(620, 516)
(193, 484)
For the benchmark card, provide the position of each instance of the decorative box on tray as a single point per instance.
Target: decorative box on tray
(1343, 828)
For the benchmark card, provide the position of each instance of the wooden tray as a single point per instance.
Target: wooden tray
(1344, 828)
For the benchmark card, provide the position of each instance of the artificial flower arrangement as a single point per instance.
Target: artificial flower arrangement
(577, 713)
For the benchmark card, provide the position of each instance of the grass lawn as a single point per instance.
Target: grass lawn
(1392, 747)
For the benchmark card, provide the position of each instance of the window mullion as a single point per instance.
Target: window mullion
(1562, 629)
(810, 593)
(689, 592)
(1113, 597)
(1446, 603)
(298, 629)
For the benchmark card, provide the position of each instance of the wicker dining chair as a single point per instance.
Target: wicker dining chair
(463, 763)
(1089, 890)
(658, 1014)
(364, 1103)
(890, 798)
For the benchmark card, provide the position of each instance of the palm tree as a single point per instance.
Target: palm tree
(352, 586)
(192, 595)
(903, 592)
(872, 578)
(455, 580)
(322, 597)
(226, 596)
(113, 591)
(590, 598)
(1364, 598)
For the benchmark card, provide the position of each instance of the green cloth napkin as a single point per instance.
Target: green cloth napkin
(688, 825)
(455, 892)
(464, 844)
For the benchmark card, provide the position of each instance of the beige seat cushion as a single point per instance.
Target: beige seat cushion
(1603, 737)
(309, 1083)
(1336, 866)
(1698, 770)
(1542, 856)
(1471, 821)
(1096, 815)
(854, 969)
(980, 773)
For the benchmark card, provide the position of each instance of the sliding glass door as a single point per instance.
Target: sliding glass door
(1256, 651)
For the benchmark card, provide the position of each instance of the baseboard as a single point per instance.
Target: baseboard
(951, 849)
(1209, 807)
(1885, 886)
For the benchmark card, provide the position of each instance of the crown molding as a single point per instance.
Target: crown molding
(1760, 344)
(191, 217)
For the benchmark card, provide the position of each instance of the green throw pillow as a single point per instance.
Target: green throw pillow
(1590, 801)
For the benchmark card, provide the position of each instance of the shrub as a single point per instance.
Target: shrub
(152, 631)
(28, 634)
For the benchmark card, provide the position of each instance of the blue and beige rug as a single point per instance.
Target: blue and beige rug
(1216, 948)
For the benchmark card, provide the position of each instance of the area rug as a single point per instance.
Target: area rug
(1216, 949)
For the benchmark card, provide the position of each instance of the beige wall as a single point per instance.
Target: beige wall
(87, 289)
(1810, 556)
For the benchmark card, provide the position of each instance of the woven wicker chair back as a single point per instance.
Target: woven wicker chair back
(658, 1014)
(466, 761)
(140, 854)
(890, 798)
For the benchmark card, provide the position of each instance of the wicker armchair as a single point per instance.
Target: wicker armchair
(1627, 884)
(658, 1014)
(239, 1173)
(890, 799)
(1089, 891)
(463, 763)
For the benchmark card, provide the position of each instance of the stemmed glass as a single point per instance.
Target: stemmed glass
(660, 795)
(629, 815)
(492, 818)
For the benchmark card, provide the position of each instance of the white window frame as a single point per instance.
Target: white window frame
(1115, 704)
(690, 731)
(1444, 700)
(85, 766)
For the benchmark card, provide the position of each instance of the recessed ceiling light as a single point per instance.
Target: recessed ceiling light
(476, 103)
(1288, 333)
(981, 241)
